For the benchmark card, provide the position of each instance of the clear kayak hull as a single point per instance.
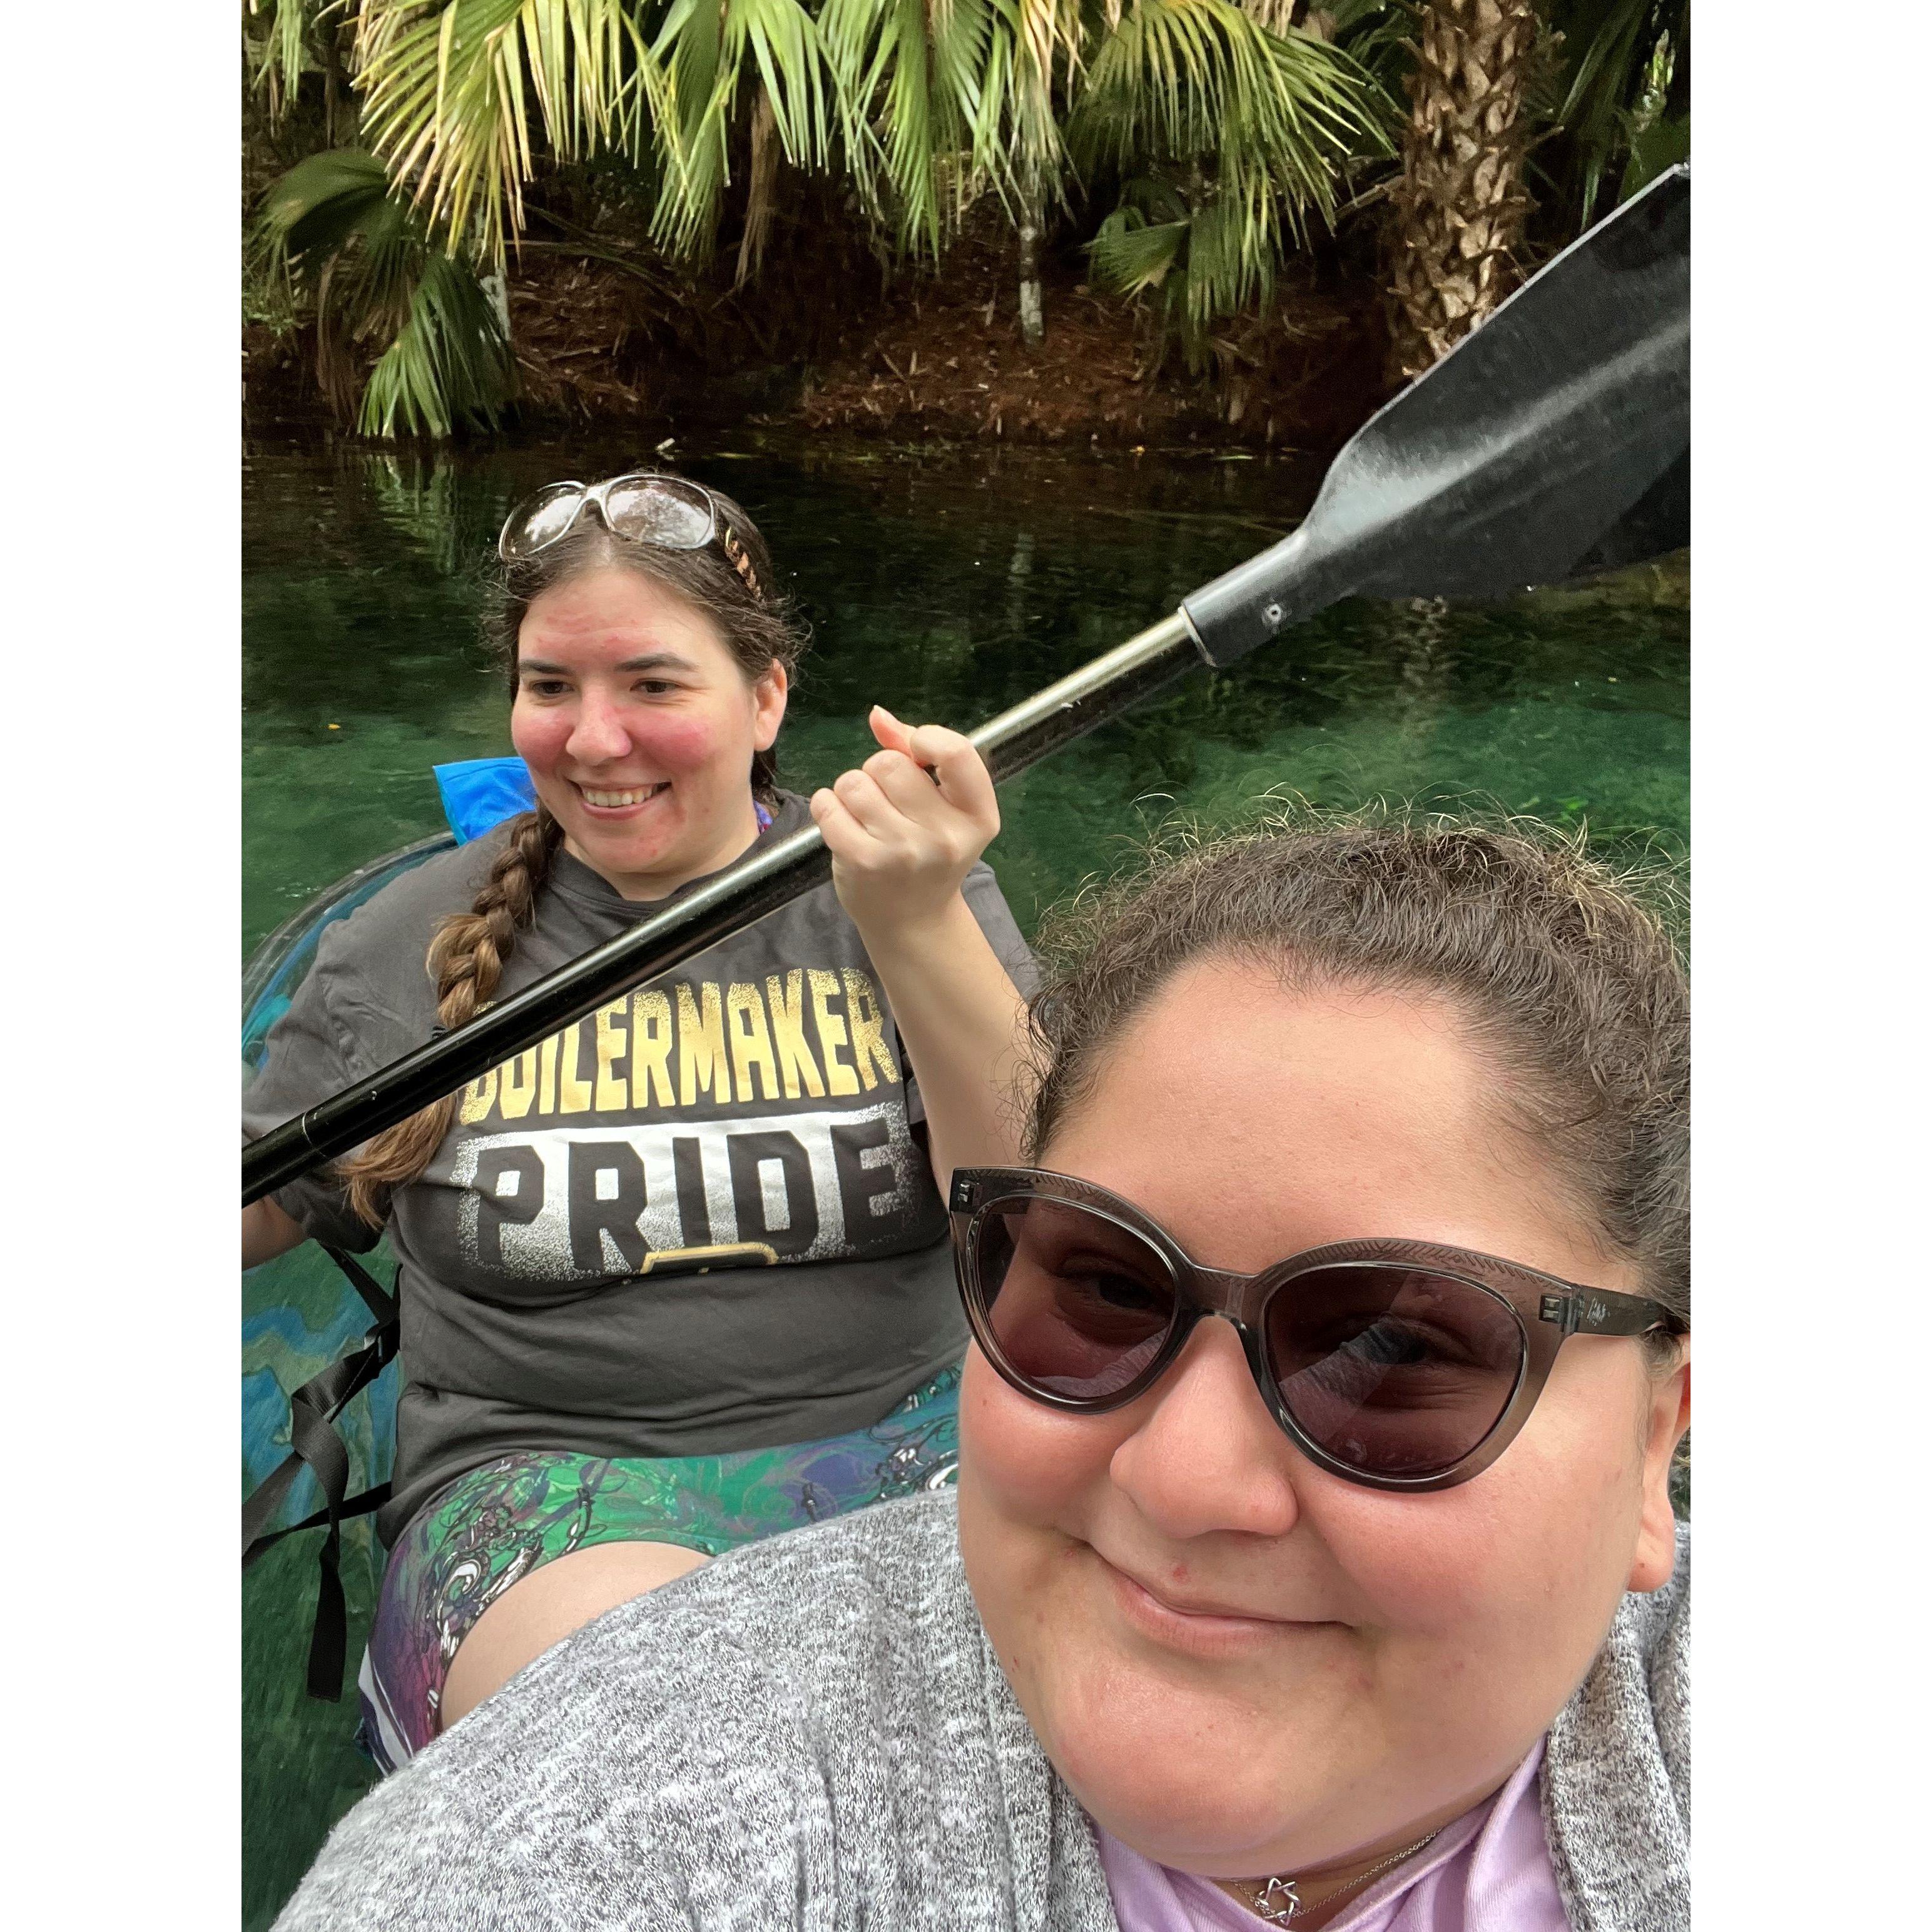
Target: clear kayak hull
(298, 1313)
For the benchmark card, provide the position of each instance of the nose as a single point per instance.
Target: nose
(1208, 1456)
(598, 734)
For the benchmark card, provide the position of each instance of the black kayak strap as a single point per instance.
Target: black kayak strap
(315, 1444)
(380, 1302)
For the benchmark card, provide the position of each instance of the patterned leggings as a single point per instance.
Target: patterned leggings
(491, 1527)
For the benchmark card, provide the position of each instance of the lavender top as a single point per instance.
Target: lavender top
(1489, 1871)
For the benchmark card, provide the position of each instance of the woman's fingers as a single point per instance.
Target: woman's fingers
(957, 773)
(866, 802)
(892, 735)
(847, 838)
(908, 784)
(907, 826)
(896, 768)
(955, 762)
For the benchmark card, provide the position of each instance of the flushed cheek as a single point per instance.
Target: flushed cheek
(677, 746)
(680, 746)
(539, 741)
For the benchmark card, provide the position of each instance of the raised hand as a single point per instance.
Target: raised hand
(905, 828)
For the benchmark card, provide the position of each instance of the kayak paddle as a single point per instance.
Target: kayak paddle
(1553, 440)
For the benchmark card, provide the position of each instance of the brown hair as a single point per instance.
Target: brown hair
(757, 625)
(1565, 972)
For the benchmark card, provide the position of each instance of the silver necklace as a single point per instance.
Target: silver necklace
(1277, 1901)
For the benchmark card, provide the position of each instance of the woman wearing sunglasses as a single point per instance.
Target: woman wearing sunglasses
(676, 1277)
(1312, 1562)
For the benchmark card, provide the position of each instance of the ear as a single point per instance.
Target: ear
(769, 690)
(1667, 1417)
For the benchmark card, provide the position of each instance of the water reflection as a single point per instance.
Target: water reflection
(947, 586)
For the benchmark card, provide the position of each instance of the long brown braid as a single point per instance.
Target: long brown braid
(757, 625)
(467, 957)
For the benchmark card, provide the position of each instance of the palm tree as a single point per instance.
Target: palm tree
(377, 277)
(1214, 139)
(922, 107)
(1456, 211)
(1226, 137)
(923, 104)
(919, 104)
(278, 57)
(283, 40)
(947, 100)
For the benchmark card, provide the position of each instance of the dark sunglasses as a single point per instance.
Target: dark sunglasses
(1395, 1364)
(671, 512)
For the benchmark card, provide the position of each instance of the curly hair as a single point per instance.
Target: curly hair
(1565, 972)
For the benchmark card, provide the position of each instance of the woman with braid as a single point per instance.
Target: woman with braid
(674, 1279)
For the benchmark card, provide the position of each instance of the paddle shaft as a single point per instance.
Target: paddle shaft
(736, 899)
(1554, 439)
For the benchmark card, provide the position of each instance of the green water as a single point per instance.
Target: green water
(946, 587)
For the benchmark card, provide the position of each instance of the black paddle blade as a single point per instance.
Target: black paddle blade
(1555, 440)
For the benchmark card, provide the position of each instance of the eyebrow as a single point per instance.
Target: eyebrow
(650, 661)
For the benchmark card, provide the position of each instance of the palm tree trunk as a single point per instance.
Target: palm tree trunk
(1456, 214)
(1032, 309)
(335, 82)
(761, 197)
(1033, 315)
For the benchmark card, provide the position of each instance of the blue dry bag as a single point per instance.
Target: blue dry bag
(480, 793)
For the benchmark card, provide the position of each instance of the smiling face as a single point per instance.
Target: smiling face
(639, 728)
(1241, 1663)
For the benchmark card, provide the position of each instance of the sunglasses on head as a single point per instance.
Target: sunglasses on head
(1398, 1364)
(668, 512)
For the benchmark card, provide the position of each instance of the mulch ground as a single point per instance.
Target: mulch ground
(610, 341)
(941, 364)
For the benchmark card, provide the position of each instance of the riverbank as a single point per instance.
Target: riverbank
(610, 340)
(1303, 379)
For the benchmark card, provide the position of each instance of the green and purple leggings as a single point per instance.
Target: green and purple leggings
(493, 1525)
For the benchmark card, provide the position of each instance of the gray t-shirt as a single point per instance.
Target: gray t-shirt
(749, 1116)
(814, 1735)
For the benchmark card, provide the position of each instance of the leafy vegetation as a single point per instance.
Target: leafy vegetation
(1185, 150)
(1624, 113)
(1225, 136)
(374, 273)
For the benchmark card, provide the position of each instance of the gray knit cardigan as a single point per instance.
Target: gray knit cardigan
(814, 1734)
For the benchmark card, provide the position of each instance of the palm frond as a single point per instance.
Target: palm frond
(913, 77)
(1184, 78)
(1049, 37)
(281, 57)
(1227, 138)
(1203, 263)
(709, 60)
(379, 276)
(447, 90)
(944, 100)
(1130, 254)
(1379, 35)
(1603, 112)
(323, 202)
(448, 364)
(1231, 253)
